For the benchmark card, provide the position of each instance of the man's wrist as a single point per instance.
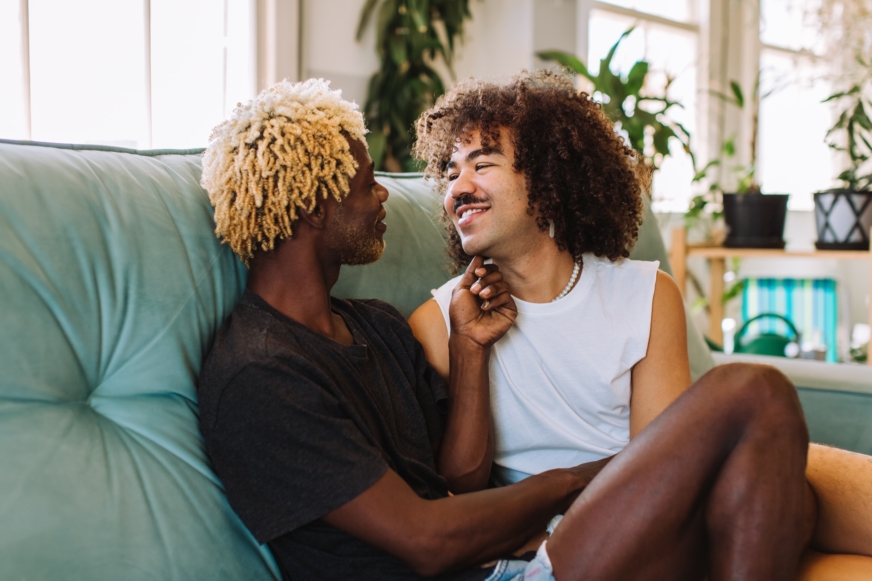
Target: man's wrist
(461, 344)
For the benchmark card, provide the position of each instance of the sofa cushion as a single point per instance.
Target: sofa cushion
(113, 285)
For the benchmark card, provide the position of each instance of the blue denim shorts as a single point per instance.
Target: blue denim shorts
(539, 569)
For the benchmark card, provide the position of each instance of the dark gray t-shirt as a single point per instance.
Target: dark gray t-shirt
(297, 425)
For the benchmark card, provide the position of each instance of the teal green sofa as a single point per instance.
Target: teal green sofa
(112, 286)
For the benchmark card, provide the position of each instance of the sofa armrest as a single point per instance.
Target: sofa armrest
(811, 374)
(836, 399)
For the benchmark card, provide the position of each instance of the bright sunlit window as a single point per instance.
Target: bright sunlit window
(671, 51)
(793, 157)
(144, 74)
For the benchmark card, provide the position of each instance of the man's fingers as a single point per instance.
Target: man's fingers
(487, 276)
(469, 276)
(500, 300)
(492, 290)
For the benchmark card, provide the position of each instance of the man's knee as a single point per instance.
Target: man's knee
(762, 391)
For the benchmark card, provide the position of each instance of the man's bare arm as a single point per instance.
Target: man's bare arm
(481, 311)
(664, 373)
(435, 536)
(429, 328)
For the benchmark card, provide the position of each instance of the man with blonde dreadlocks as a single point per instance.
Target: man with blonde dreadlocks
(338, 443)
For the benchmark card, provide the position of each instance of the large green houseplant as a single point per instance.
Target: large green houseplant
(411, 35)
(643, 119)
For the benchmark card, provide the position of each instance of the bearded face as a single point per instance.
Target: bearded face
(358, 240)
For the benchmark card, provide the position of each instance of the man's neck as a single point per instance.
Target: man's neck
(537, 275)
(297, 283)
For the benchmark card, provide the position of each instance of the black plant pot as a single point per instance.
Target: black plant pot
(755, 220)
(843, 219)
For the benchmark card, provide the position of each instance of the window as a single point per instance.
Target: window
(148, 74)
(668, 39)
(13, 99)
(792, 155)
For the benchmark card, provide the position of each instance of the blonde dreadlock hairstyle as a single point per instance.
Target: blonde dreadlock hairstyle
(276, 154)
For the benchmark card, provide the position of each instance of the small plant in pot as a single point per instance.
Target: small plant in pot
(843, 216)
(752, 220)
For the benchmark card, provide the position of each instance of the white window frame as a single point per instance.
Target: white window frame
(275, 51)
(698, 24)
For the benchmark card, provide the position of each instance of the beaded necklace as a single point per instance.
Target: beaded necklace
(570, 284)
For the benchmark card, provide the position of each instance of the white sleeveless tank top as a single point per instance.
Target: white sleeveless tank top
(560, 377)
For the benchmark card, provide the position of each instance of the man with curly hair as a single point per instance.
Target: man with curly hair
(338, 443)
(534, 177)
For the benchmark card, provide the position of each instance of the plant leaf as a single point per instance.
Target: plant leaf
(852, 91)
(614, 49)
(701, 174)
(861, 118)
(734, 291)
(567, 60)
(737, 93)
(365, 15)
(636, 77)
(376, 142)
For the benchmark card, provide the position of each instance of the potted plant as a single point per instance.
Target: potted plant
(843, 216)
(751, 219)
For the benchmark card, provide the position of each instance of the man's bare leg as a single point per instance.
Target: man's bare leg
(842, 482)
(825, 567)
(716, 482)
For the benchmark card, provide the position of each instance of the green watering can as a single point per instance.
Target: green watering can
(765, 343)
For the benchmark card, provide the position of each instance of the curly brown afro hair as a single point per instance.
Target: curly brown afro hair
(579, 171)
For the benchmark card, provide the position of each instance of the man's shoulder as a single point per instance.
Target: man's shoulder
(253, 345)
(374, 308)
(442, 295)
(447, 286)
(377, 316)
(621, 272)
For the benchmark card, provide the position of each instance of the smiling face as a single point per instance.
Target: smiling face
(358, 223)
(486, 198)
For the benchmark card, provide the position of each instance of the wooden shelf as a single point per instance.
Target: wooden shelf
(717, 256)
(721, 252)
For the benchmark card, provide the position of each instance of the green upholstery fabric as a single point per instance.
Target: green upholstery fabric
(838, 418)
(112, 286)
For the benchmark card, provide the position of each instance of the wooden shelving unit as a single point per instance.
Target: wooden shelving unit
(717, 257)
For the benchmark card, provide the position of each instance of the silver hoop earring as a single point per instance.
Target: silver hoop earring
(551, 228)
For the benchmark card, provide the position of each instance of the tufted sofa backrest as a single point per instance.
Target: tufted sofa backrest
(111, 288)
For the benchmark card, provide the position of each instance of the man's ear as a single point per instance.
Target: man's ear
(317, 217)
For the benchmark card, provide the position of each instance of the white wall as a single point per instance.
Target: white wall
(330, 51)
(500, 40)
